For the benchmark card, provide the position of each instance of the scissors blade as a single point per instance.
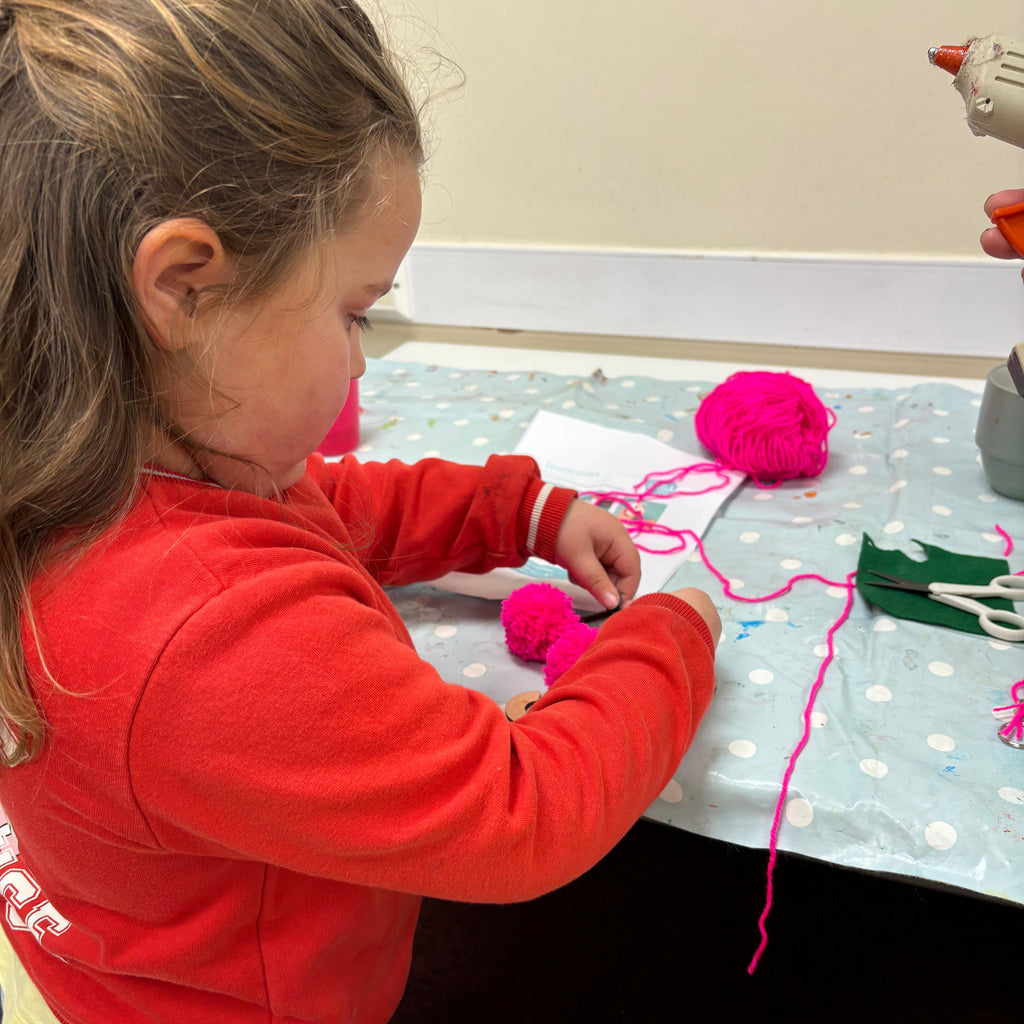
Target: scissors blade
(883, 579)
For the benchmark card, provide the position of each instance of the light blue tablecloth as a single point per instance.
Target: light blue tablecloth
(904, 772)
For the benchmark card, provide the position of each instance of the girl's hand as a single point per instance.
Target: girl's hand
(992, 240)
(599, 554)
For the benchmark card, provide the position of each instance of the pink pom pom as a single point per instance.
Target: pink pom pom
(534, 617)
(567, 649)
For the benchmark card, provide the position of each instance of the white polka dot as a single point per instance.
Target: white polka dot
(940, 668)
(445, 632)
(764, 496)
(876, 769)
(884, 625)
(742, 748)
(942, 471)
(987, 498)
(790, 563)
(941, 742)
(861, 434)
(570, 404)
(480, 441)
(866, 408)
(878, 694)
(901, 423)
(858, 471)
(672, 793)
(940, 835)
(821, 650)
(894, 527)
(628, 383)
(735, 584)
(664, 436)
(776, 615)
(975, 402)
(998, 645)
(414, 437)
(507, 414)
(531, 391)
(750, 537)
(803, 520)
(611, 406)
(900, 453)
(680, 414)
(845, 540)
(840, 592)
(761, 676)
(433, 454)
(942, 510)
(474, 671)
(940, 440)
(799, 813)
(460, 423)
(444, 405)
(1011, 795)
(851, 504)
(412, 383)
(818, 719)
(941, 412)
(898, 486)
(652, 399)
(993, 538)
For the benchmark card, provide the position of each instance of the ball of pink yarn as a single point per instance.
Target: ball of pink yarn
(534, 617)
(567, 649)
(770, 425)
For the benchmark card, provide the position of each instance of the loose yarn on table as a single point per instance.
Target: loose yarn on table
(769, 425)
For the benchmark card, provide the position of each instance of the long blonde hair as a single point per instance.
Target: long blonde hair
(263, 118)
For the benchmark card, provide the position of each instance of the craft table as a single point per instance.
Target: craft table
(904, 772)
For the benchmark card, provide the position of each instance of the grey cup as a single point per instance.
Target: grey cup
(1000, 434)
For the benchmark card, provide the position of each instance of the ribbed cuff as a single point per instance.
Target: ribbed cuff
(540, 518)
(687, 611)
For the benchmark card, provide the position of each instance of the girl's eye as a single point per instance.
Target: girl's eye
(362, 323)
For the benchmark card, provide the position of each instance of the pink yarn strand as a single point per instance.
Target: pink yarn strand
(773, 842)
(1009, 540)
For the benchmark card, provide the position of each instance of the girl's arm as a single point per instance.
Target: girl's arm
(288, 723)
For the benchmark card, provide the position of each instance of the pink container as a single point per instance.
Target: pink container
(344, 435)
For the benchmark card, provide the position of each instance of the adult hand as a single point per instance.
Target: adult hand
(992, 240)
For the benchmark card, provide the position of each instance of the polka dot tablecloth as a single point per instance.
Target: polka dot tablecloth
(904, 771)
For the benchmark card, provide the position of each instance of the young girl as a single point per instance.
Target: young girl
(227, 777)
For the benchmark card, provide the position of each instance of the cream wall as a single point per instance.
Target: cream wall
(796, 127)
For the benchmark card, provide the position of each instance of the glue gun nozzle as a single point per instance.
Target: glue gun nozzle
(949, 58)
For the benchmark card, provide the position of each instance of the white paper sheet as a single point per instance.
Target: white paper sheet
(586, 457)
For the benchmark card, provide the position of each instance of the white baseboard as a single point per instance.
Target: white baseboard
(898, 305)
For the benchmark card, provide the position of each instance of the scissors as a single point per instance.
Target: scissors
(1004, 625)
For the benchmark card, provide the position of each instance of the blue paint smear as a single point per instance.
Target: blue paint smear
(748, 626)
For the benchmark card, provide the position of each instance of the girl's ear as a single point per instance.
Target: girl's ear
(174, 262)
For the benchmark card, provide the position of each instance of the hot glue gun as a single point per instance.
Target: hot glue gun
(989, 75)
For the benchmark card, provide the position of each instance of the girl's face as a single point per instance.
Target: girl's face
(281, 370)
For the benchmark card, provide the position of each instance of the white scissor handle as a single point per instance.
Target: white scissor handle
(1003, 625)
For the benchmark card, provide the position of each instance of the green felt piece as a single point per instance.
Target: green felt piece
(940, 566)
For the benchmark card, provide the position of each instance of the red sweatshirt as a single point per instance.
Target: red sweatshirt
(250, 778)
